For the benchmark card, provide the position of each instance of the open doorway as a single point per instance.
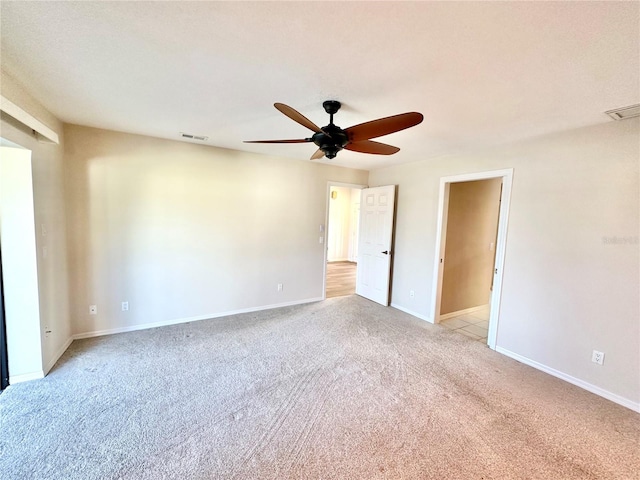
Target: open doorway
(470, 241)
(470, 253)
(341, 253)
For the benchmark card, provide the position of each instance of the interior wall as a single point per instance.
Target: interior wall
(354, 226)
(571, 276)
(50, 220)
(341, 224)
(337, 237)
(472, 224)
(185, 231)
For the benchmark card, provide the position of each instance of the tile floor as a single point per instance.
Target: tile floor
(474, 325)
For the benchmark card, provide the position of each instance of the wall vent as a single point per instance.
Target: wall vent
(202, 138)
(624, 112)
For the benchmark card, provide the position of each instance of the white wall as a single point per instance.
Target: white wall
(339, 237)
(188, 231)
(354, 224)
(49, 211)
(569, 286)
(19, 265)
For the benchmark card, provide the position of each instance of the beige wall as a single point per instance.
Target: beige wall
(49, 211)
(182, 230)
(571, 274)
(472, 223)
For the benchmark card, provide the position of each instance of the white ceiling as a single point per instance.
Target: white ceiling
(482, 73)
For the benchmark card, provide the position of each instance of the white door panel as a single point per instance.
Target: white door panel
(374, 247)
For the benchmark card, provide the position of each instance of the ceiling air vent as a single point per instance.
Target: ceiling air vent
(624, 112)
(202, 138)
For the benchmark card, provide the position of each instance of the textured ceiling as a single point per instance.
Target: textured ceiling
(481, 72)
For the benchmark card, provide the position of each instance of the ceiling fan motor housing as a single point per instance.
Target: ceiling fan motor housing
(330, 140)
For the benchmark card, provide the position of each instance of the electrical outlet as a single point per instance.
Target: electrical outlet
(597, 357)
(125, 306)
(412, 293)
(93, 309)
(279, 287)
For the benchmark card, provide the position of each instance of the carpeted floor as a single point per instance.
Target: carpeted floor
(341, 389)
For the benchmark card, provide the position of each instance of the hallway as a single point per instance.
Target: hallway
(341, 279)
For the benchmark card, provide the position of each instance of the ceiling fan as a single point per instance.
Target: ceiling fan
(331, 138)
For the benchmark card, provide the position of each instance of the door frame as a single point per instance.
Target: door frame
(501, 243)
(325, 234)
(4, 356)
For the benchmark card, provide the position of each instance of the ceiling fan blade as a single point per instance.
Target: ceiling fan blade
(297, 117)
(383, 126)
(319, 154)
(369, 146)
(300, 140)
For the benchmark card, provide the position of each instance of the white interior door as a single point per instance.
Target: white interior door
(374, 246)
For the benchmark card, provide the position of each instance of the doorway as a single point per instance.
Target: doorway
(471, 241)
(341, 252)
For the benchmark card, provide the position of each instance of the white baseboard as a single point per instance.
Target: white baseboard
(625, 402)
(25, 377)
(466, 311)
(411, 312)
(57, 355)
(164, 323)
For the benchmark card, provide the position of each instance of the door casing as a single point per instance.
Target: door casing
(4, 357)
(501, 244)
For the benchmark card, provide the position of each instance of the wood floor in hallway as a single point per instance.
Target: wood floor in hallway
(341, 279)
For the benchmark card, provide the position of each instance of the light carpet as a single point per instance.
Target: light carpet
(341, 389)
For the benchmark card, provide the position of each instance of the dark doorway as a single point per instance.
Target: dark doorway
(4, 364)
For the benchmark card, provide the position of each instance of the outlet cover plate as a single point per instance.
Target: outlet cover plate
(597, 357)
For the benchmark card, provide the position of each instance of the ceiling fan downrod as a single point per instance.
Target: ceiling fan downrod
(331, 139)
(331, 107)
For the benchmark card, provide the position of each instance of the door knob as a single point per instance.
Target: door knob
(386, 252)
